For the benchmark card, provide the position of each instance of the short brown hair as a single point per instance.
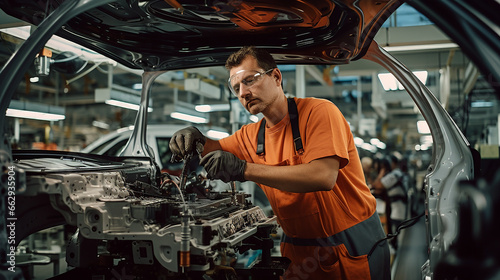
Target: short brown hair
(264, 58)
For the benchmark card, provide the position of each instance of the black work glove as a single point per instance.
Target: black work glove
(186, 141)
(224, 166)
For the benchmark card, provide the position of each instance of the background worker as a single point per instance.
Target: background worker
(314, 184)
(392, 186)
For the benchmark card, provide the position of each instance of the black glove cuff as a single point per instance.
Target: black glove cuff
(241, 172)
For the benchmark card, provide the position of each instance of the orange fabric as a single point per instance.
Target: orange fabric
(324, 132)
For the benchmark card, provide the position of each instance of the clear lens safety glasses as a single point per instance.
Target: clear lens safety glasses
(246, 77)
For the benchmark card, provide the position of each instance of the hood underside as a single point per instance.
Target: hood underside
(169, 34)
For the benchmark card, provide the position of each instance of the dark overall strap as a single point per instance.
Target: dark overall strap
(261, 137)
(294, 120)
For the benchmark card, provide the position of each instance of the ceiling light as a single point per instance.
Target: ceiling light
(36, 111)
(369, 147)
(212, 108)
(187, 117)
(426, 139)
(216, 134)
(254, 118)
(424, 147)
(100, 124)
(389, 82)
(185, 111)
(381, 145)
(374, 141)
(423, 127)
(358, 141)
(481, 104)
(421, 47)
(60, 44)
(125, 105)
(119, 99)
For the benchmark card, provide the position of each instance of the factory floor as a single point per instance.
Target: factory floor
(412, 252)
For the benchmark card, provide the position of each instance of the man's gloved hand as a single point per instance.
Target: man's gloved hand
(186, 141)
(224, 166)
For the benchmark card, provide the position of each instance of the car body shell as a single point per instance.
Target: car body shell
(311, 32)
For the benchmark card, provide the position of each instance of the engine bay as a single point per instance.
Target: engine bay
(134, 220)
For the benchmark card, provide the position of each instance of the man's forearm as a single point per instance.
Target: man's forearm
(318, 175)
(210, 146)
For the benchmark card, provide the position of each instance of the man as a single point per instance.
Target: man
(302, 155)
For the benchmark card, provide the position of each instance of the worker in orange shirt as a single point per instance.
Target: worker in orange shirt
(302, 155)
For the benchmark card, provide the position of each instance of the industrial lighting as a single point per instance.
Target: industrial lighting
(369, 147)
(254, 118)
(421, 47)
(36, 111)
(100, 124)
(423, 127)
(185, 111)
(377, 143)
(119, 99)
(358, 141)
(212, 108)
(34, 115)
(216, 134)
(61, 44)
(187, 117)
(481, 104)
(389, 82)
(125, 105)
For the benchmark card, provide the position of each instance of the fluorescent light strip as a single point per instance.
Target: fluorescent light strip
(15, 113)
(217, 134)
(481, 104)
(61, 44)
(421, 47)
(125, 105)
(189, 118)
(254, 118)
(212, 108)
(100, 124)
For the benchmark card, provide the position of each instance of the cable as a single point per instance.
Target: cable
(403, 225)
(82, 74)
(64, 59)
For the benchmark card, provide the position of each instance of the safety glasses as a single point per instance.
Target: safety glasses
(246, 77)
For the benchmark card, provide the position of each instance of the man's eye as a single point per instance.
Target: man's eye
(248, 81)
(236, 87)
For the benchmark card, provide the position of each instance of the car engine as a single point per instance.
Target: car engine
(131, 220)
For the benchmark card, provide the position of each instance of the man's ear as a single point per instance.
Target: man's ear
(277, 76)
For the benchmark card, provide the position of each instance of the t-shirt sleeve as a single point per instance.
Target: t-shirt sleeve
(327, 133)
(241, 143)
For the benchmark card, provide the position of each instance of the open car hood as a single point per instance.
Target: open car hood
(165, 35)
(170, 34)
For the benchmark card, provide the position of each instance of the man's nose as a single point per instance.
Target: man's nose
(244, 90)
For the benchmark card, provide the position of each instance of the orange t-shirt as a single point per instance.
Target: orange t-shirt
(324, 132)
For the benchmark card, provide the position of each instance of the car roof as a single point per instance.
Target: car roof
(166, 35)
(155, 130)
